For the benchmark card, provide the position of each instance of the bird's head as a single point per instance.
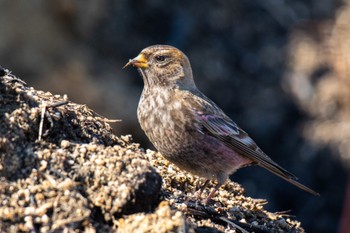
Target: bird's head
(164, 66)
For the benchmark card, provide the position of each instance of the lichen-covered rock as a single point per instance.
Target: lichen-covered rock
(62, 168)
(78, 176)
(163, 220)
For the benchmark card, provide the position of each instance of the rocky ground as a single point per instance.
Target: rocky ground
(279, 69)
(62, 169)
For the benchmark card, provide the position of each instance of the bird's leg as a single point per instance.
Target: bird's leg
(200, 191)
(221, 178)
(212, 193)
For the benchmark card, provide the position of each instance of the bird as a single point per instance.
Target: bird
(188, 128)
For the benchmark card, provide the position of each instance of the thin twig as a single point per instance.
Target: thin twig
(233, 224)
(105, 119)
(58, 104)
(44, 113)
(41, 125)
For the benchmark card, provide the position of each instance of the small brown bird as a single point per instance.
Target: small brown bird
(189, 129)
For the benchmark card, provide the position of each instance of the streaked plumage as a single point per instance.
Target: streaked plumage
(188, 128)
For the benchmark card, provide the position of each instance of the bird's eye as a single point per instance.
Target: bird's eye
(160, 58)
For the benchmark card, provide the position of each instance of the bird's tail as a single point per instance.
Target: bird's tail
(291, 179)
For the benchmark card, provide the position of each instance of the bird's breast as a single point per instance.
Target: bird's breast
(164, 119)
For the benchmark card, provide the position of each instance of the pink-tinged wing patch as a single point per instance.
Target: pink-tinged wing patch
(232, 136)
(219, 125)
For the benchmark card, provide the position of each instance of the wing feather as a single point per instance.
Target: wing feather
(228, 132)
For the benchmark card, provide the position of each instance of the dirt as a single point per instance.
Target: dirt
(62, 169)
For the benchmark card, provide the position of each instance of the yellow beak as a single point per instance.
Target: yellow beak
(140, 62)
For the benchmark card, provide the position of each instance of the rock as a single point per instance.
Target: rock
(62, 168)
(164, 219)
(79, 170)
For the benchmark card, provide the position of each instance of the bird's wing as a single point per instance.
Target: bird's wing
(218, 125)
(229, 133)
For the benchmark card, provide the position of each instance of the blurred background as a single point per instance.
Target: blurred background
(280, 69)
